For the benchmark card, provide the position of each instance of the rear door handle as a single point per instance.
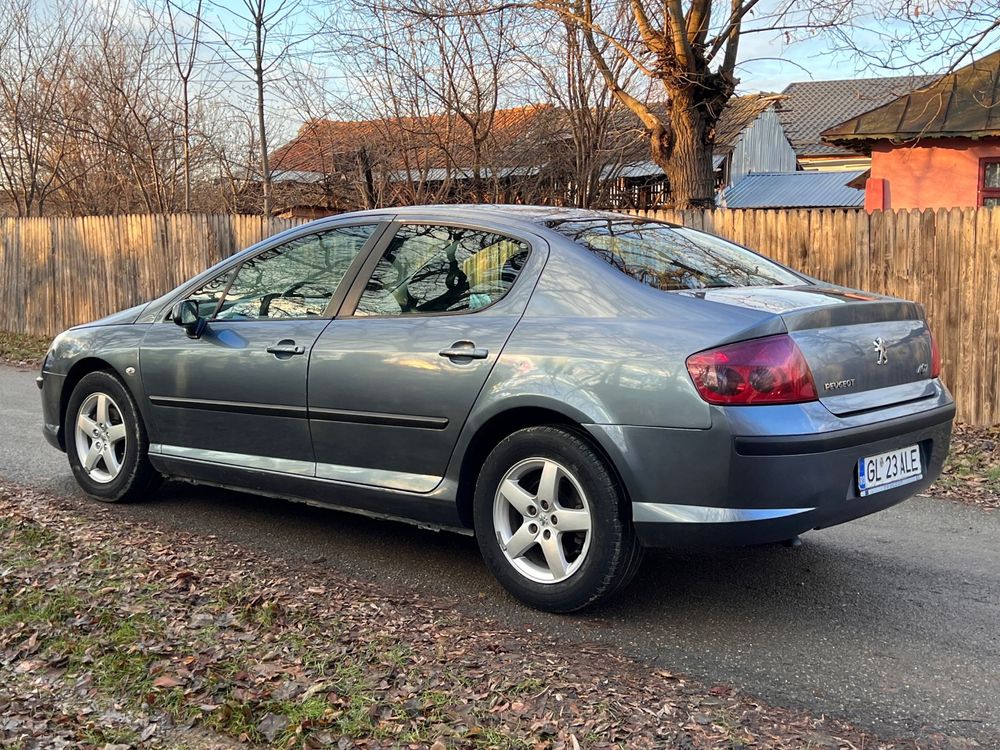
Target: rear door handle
(285, 348)
(463, 351)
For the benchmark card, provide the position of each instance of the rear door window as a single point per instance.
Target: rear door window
(429, 268)
(673, 258)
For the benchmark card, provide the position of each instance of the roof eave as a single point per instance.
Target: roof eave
(863, 142)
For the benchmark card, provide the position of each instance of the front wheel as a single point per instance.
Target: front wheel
(106, 440)
(550, 521)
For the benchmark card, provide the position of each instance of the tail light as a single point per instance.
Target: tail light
(768, 370)
(935, 356)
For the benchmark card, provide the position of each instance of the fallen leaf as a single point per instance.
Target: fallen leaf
(166, 681)
(272, 725)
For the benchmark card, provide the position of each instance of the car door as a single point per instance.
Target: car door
(394, 377)
(237, 394)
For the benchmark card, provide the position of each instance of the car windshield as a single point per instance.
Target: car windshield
(673, 258)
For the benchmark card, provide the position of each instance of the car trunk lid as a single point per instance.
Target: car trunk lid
(865, 351)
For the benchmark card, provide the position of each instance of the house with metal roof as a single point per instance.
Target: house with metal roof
(809, 107)
(937, 146)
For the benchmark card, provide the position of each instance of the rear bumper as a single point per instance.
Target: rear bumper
(716, 488)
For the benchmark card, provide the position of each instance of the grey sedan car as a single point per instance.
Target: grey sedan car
(570, 386)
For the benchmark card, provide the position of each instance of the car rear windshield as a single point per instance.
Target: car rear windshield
(673, 258)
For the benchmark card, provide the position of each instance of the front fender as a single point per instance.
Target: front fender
(78, 351)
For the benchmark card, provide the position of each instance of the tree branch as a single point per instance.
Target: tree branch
(731, 32)
(653, 37)
(678, 30)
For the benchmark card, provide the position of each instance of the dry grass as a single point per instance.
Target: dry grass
(21, 349)
(972, 472)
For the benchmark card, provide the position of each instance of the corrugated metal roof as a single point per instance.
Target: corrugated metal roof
(795, 190)
(440, 174)
(648, 168)
(963, 103)
(294, 175)
(810, 107)
(638, 169)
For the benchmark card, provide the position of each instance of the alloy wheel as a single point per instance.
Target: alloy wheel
(100, 437)
(542, 520)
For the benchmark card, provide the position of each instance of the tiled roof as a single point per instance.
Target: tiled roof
(795, 190)
(810, 107)
(964, 103)
(325, 146)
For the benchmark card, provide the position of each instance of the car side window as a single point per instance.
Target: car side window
(208, 294)
(294, 280)
(435, 269)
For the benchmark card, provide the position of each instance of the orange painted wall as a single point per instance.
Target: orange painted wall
(938, 173)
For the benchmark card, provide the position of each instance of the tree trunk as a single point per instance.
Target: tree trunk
(368, 184)
(187, 148)
(685, 152)
(265, 167)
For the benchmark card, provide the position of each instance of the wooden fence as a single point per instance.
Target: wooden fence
(58, 272)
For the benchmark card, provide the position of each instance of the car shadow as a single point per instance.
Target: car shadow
(765, 584)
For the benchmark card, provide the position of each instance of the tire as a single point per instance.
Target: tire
(575, 552)
(112, 440)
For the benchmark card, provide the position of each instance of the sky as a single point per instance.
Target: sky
(767, 63)
(768, 60)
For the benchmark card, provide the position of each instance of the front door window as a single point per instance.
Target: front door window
(294, 280)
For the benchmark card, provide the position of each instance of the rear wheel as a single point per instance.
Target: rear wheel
(106, 441)
(550, 521)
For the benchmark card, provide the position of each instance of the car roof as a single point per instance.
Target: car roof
(540, 215)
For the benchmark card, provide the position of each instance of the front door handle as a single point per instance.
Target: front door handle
(285, 348)
(464, 351)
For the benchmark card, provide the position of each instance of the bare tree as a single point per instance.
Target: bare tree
(437, 85)
(263, 35)
(232, 141)
(132, 113)
(36, 56)
(589, 122)
(182, 31)
(684, 50)
(910, 35)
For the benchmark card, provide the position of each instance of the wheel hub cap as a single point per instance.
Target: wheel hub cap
(542, 520)
(100, 437)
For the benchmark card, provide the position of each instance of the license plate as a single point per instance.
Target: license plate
(890, 469)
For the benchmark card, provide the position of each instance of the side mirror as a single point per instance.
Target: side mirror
(185, 314)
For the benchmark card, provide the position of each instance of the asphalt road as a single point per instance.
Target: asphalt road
(891, 622)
